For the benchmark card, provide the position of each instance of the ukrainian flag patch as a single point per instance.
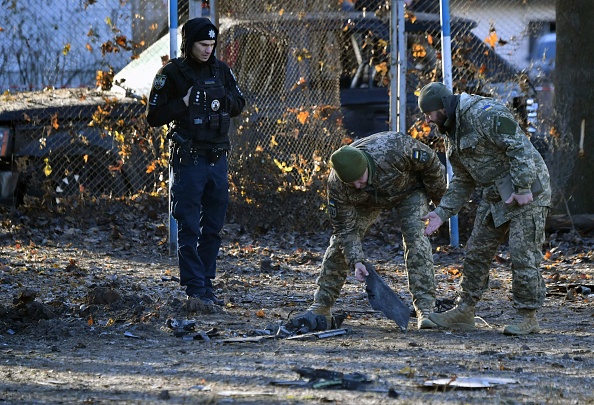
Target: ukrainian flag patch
(420, 155)
(332, 209)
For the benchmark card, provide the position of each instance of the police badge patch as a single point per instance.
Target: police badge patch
(332, 209)
(159, 82)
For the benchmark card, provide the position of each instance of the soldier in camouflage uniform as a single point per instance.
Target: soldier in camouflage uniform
(383, 171)
(488, 149)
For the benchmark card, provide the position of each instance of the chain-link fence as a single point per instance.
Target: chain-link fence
(294, 59)
(76, 133)
(315, 74)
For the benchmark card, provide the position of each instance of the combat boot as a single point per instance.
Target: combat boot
(321, 309)
(526, 324)
(459, 318)
(423, 321)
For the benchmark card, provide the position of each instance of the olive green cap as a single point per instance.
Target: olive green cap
(431, 97)
(349, 163)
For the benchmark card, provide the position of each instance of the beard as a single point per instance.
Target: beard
(440, 122)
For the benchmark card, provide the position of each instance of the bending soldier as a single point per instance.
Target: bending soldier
(382, 171)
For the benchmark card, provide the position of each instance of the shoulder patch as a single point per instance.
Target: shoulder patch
(421, 155)
(504, 125)
(332, 208)
(487, 107)
(159, 82)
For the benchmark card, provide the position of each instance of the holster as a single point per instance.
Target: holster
(181, 149)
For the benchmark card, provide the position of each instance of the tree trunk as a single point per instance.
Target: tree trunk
(572, 163)
(583, 223)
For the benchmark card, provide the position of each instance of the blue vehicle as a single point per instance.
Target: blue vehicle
(542, 58)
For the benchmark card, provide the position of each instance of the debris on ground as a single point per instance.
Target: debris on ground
(469, 382)
(319, 378)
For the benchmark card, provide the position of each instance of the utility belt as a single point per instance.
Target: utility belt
(184, 152)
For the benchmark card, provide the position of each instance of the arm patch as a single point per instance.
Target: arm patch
(421, 155)
(504, 125)
(332, 209)
(159, 82)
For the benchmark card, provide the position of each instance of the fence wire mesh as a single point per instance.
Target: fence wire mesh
(316, 75)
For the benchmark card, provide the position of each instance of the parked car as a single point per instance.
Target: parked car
(542, 70)
(63, 142)
(542, 58)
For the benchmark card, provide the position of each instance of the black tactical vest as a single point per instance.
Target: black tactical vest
(209, 118)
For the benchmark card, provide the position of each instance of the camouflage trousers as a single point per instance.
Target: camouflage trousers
(526, 235)
(418, 256)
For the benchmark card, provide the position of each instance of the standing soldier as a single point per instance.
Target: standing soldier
(488, 149)
(197, 95)
(382, 171)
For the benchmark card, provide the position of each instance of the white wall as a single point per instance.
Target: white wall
(37, 33)
(510, 18)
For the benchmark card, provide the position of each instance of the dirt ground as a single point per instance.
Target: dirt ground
(86, 296)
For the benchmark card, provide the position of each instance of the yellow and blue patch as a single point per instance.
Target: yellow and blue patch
(332, 212)
(421, 155)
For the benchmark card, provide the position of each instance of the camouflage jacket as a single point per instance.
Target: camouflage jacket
(398, 165)
(487, 146)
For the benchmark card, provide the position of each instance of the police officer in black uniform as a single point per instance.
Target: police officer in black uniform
(197, 95)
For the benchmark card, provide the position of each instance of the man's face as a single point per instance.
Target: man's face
(201, 50)
(438, 118)
(361, 182)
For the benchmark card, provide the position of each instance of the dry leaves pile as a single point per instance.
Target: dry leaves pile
(86, 295)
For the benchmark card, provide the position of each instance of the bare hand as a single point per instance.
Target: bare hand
(433, 224)
(187, 97)
(521, 199)
(360, 272)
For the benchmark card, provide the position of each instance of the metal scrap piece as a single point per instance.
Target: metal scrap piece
(319, 335)
(383, 298)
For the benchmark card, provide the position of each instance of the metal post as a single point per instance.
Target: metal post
(446, 60)
(394, 73)
(172, 54)
(397, 67)
(173, 29)
(402, 60)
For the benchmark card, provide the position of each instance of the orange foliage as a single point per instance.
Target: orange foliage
(492, 39)
(55, 123)
(303, 116)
